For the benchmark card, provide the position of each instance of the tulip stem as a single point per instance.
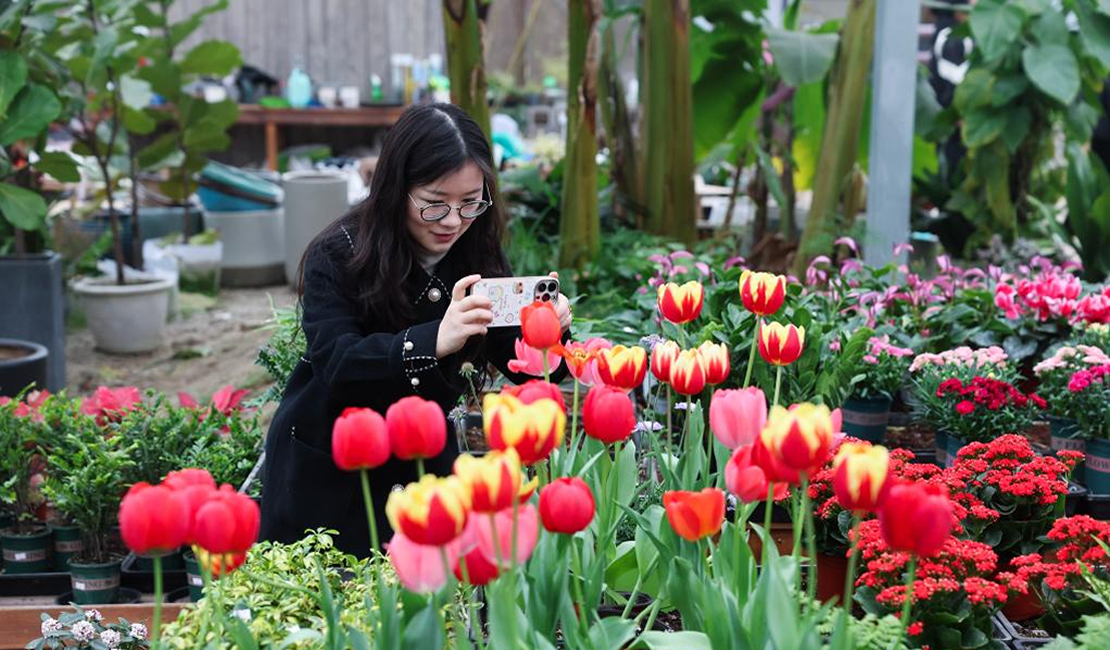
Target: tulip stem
(156, 625)
(767, 507)
(751, 354)
(668, 433)
(632, 596)
(811, 542)
(472, 604)
(578, 577)
(546, 372)
(370, 518)
(419, 467)
(778, 385)
(206, 576)
(911, 574)
(853, 558)
(573, 430)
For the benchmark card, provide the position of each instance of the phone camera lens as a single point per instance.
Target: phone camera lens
(545, 297)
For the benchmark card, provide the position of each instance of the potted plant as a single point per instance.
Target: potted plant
(29, 103)
(85, 481)
(966, 395)
(23, 365)
(1065, 405)
(1090, 394)
(866, 412)
(25, 541)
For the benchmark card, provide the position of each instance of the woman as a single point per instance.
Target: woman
(386, 315)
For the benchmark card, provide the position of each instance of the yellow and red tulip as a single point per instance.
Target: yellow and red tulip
(662, 358)
(861, 475)
(622, 367)
(800, 437)
(493, 481)
(680, 303)
(762, 293)
(688, 373)
(716, 362)
(432, 511)
(694, 515)
(533, 430)
(781, 345)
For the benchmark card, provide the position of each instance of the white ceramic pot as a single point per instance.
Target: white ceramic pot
(312, 200)
(254, 247)
(125, 319)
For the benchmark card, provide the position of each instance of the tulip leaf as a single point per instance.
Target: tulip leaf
(423, 630)
(685, 640)
(612, 632)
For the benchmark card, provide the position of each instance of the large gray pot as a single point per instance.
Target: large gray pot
(34, 308)
(125, 319)
(22, 363)
(312, 200)
(254, 250)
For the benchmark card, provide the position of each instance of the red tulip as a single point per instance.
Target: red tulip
(535, 389)
(566, 505)
(227, 522)
(776, 470)
(540, 325)
(417, 428)
(747, 480)
(189, 477)
(662, 358)
(694, 515)
(738, 416)
(359, 440)
(479, 570)
(680, 303)
(153, 519)
(533, 430)
(608, 414)
(916, 518)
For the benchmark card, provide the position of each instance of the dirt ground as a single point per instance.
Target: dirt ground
(213, 342)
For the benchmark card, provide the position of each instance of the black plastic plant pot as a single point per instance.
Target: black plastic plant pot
(136, 574)
(124, 597)
(1077, 499)
(28, 553)
(1001, 629)
(193, 578)
(779, 514)
(67, 543)
(1098, 506)
(1018, 637)
(95, 583)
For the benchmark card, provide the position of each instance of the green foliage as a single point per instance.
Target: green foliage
(1088, 221)
(282, 351)
(1095, 635)
(20, 437)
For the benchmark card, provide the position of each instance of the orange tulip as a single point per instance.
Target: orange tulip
(432, 511)
(688, 373)
(492, 481)
(694, 515)
(762, 293)
(662, 357)
(533, 430)
(622, 367)
(799, 437)
(680, 303)
(860, 479)
(540, 326)
(715, 359)
(781, 345)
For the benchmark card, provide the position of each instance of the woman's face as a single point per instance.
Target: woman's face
(437, 237)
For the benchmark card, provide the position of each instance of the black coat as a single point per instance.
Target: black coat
(351, 361)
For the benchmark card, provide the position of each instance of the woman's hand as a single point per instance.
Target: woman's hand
(562, 307)
(466, 316)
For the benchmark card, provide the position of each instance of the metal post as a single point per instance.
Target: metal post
(893, 93)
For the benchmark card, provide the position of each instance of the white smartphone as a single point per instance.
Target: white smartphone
(510, 295)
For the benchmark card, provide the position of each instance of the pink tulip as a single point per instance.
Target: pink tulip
(529, 361)
(589, 375)
(528, 531)
(419, 567)
(737, 416)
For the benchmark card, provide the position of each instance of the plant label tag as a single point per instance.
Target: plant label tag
(196, 581)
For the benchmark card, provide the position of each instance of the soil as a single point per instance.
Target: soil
(10, 352)
(911, 436)
(212, 343)
(1031, 632)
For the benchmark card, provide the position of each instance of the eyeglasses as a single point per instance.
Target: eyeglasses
(439, 210)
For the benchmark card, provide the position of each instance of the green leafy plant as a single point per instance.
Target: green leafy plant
(282, 351)
(86, 628)
(1088, 222)
(20, 437)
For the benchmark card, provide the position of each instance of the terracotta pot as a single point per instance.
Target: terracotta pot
(831, 573)
(783, 534)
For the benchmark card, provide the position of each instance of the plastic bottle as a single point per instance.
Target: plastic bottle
(298, 88)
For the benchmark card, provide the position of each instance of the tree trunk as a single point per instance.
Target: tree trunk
(579, 228)
(668, 119)
(465, 63)
(618, 131)
(839, 145)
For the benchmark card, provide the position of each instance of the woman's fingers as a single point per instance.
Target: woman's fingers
(473, 302)
(482, 316)
(459, 291)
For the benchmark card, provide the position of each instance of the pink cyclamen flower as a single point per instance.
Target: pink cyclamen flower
(529, 361)
(737, 416)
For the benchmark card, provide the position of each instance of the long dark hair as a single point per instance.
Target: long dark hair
(427, 142)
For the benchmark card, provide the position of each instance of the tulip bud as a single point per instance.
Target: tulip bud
(539, 324)
(417, 428)
(694, 515)
(861, 475)
(916, 518)
(737, 417)
(533, 430)
(493, 481)
(800, 437)
(781, 345)
(432, 511)
(622, 367)
(762, 293)
(688, 373)
(680, 303)
(566, 505)
(359, 440)
(153, 520)
(662, 358)
(747, 480)
(715, 360)
(608, 414)
(227, 522)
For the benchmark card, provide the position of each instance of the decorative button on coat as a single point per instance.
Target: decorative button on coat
(408, 346)
(415, 381)
(434, 294)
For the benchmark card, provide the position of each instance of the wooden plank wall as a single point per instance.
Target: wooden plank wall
(345, 41)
